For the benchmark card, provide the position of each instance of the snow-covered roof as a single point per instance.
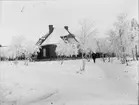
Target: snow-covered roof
(54, 38)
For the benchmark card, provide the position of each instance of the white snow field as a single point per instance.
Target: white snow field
(50, 83)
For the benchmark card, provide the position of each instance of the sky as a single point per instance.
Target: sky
(30, 18)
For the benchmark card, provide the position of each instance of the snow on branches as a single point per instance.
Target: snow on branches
(66, 49)
(20, 47)
(123, 36)
(87, 37)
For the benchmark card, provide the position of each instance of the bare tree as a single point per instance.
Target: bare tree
(87, 41)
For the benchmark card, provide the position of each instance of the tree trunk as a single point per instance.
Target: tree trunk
(109, 59)
(121, 59)
(136, 51)
(16, 61)
(125, 59)
(118, 57)
(123, 56)
(26, 61)
(83, 63)
(133, 55)
(103, 58)
(62, 60)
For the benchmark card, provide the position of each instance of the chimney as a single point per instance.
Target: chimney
(66, 27)
(51, 28)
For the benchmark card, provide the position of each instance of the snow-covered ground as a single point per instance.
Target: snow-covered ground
(47, 83)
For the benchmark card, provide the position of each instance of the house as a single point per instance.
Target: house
(47, 50)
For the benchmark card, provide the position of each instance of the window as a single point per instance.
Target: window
(44, 52)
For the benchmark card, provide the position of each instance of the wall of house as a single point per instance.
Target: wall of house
(47, 52)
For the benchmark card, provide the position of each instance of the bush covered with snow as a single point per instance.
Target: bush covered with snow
(19, 47)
